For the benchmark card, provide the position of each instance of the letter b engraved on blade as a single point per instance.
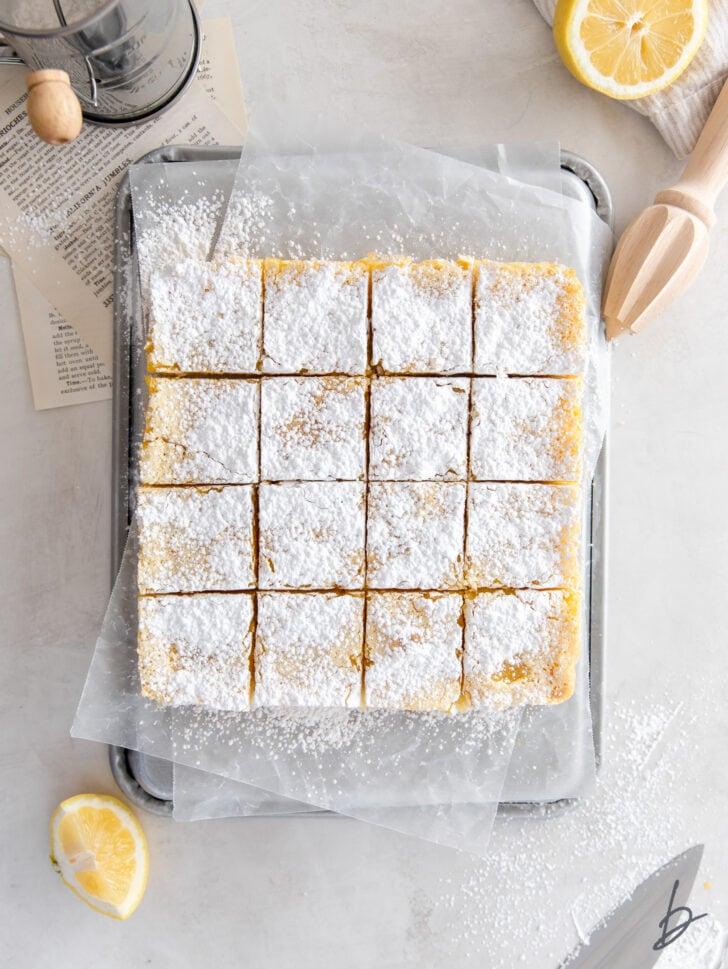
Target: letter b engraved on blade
(685, 920)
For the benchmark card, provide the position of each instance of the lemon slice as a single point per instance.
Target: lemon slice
(629, 48)
(100, 850)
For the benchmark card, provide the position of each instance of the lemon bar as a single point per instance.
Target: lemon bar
(195, 539)
(526, 429)
(308, 650)
(422, 317)
(419, 428)
(413, 650)
(521, 647)
(522, 535)
(315, 317)
(200, 431)
(529, 319)
(313, 428)
(311, 535)
(206, 318)
(195, 649)
(415, 535)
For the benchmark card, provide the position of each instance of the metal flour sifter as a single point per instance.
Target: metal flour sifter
(113, 63)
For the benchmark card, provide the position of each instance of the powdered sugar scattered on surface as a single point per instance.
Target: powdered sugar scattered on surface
(546, 884)
(311, 751)
(308, 650)
(36, 227)
(526, 429)
(703, 946)
(169, 234)
(419, 428)
(195, 539)
(523, 535)
(206, 317)
(247, 222)
(312, 428)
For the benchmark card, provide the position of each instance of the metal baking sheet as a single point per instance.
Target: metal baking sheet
(147, 781)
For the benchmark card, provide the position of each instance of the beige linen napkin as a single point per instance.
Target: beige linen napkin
(680, 111)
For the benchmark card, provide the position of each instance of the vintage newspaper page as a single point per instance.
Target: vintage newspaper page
(56, 210)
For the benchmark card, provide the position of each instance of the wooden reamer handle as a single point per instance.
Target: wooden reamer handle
(707, 169)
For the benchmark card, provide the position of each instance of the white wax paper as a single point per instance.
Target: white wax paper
(435, 776)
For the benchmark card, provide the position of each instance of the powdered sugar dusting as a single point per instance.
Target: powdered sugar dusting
(414, 642)
(520, 647)
(169, 234)
(312, 535)
(419, 428)
(421, 317)
(529, 319)
(206, 317)
(313, 428)
(196, 649)
(200, 432)
(195, 539)
(526, 902)
(415, 535)
(308, 650)
(315, 317)
(526, 429)
(523, 535)
(333, 511)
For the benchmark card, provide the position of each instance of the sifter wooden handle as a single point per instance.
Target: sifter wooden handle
(707, 169)
(54, 111)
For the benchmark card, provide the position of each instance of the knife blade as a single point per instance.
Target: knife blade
(626, 938)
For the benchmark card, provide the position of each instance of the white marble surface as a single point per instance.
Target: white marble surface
(322, 893)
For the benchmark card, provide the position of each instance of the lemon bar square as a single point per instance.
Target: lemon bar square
(206, 317)
(195, 539)
(315, 317)
(526, 429)
(313, 428)
(195, 649)
(529, 319)
(309, 649)
(415, 535)
(522, 535)
(413, 650)
(311, 535)
(521, 647)
(422, 317)
(419, 428)
(200, 431)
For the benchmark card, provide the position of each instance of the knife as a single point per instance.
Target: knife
(626, 939)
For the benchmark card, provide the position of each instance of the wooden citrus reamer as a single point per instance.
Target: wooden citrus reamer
(662, 251)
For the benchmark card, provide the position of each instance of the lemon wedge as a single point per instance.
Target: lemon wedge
(100, 850)
(629, 48)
